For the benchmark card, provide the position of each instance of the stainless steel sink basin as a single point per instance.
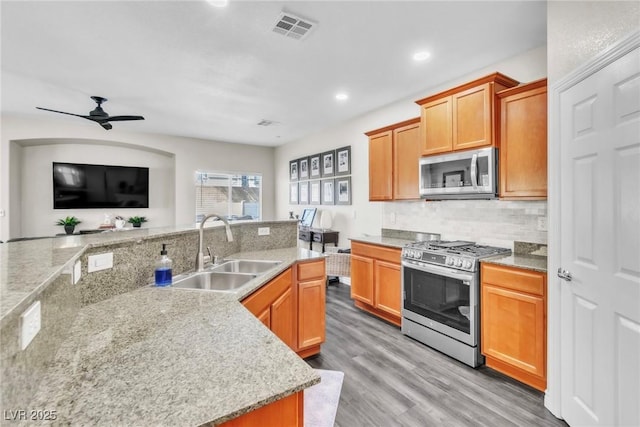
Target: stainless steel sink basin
(245, 266)
(210, 280)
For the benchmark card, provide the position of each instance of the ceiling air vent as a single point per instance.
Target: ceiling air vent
(293, 26)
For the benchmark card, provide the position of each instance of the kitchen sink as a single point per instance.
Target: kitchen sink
(214, 281)
(245, 266)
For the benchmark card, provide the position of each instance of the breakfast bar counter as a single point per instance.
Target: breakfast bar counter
(163, 356)
(145, 355)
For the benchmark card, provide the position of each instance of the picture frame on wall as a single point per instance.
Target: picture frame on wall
(293, 170)
(314, 192)
(328, 163)
(303, 168)
(328, 196)
(303, 192)
(293, 193)
(343, 161)
(343, 191)
(314, 166)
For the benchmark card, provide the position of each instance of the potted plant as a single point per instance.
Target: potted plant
(69, 223)
(137, 220)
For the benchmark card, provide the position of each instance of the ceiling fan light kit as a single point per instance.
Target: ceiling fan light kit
(98, 115)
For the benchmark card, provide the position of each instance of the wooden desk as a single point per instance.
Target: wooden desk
(319, 236)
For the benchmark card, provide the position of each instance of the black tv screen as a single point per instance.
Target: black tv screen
(80, 186)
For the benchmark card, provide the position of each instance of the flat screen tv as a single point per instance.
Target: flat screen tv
(81, 186)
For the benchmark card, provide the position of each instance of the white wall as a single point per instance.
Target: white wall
(363, 216)
(190, 155)
(578, 30)
(36, 201)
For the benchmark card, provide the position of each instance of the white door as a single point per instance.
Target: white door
(600, 246)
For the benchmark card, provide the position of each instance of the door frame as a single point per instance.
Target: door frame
(553, 394)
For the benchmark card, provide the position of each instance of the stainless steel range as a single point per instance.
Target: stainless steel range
(441, 293)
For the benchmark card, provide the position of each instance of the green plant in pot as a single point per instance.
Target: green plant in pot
(69, 223)
(137, 220)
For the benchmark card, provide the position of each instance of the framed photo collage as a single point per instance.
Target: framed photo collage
(321, 179)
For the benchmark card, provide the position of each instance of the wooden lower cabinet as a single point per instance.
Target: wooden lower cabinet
(288, 411)
(311, 278)
(293, 305)
(274, 305)
(514, 326)
(375, 280)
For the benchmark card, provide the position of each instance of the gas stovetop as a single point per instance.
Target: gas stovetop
(458, 254)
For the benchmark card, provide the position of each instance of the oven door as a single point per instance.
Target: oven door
(442, 299)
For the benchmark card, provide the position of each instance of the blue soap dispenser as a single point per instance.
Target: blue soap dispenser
(163, 268)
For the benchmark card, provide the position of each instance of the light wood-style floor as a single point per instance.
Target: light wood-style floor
(392, 380)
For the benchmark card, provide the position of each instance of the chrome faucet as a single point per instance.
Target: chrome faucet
(200, 260)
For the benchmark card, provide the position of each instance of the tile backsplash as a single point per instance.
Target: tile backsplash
(491, 222)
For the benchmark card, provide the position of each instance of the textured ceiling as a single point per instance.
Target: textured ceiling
(200, 71)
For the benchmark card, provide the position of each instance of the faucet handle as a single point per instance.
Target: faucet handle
(209, 250)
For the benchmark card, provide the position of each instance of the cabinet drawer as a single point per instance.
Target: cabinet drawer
(378, 252)
(514, 278)
(311, 270)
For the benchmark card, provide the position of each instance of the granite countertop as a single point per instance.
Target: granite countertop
(170, 356)
(526, 261)
(27, 267)
(391, 242)
(162, 356)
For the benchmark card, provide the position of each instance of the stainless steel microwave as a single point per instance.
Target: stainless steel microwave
(471, 174)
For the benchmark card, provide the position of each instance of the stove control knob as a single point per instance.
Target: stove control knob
(459, 262)
(449, 261)
(467, 264)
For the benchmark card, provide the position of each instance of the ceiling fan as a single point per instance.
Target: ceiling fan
(98, 115)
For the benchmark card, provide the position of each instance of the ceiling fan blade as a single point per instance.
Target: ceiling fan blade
(62, 112)
(124, 118)
(106, 125)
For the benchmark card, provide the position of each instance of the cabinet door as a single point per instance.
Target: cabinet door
(387, 287)
(513, 329)
(523, 145)
(282, 318)
(362, 278)
(472, 117)
(406, 155)
(437, 126)
(265, 317)
(381, 166)
(311, 313)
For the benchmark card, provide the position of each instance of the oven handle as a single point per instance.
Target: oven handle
(466, 277)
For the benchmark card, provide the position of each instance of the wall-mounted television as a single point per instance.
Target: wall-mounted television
(82, 186)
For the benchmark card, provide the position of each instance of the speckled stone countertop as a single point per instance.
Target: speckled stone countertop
(170, 356)
(526, 261)
(391, 242)
(27, 267)
(163, 356)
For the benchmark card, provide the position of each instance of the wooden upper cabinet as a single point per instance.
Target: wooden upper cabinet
(406, 155)
(473, 118)
(463, 117)
(437, 137)
(522, 121)
(381, 166)
(394, 153)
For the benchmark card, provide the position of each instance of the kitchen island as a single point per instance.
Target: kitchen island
(150, 356)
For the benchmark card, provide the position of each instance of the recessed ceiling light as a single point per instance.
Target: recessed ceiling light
(342, 96)
(218, 3)
(421, 56)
